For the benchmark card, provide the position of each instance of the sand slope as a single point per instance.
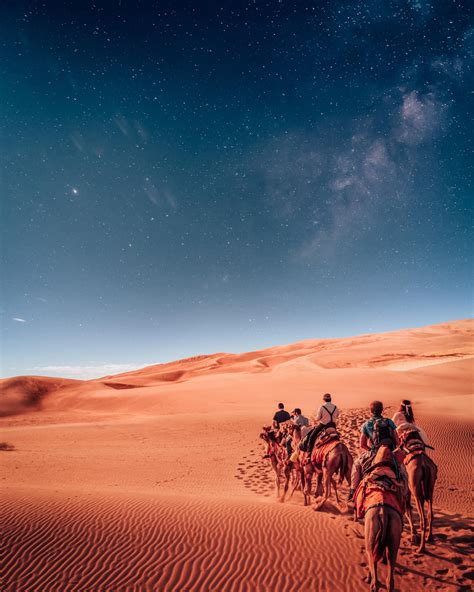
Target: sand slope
(154, 479)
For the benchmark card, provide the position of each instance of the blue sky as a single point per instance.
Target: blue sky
(182, 180)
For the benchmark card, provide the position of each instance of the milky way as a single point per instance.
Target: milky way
(182, 179)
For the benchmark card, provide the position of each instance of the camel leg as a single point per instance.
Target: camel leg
(287, 474)
(350, 462)
(319, 485)
(301, 477)
(295, 485)
(308, 477)
(372, 577)
(277, 476)
(298, 481)
(394, 535)
(335, 491)
(430, 520)
(327, 483)
(420, 506)
(324, 483)
(294, 478)
(413, 533)
(390, 582)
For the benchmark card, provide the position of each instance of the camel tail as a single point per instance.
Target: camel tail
(380, 541)
(423, 484)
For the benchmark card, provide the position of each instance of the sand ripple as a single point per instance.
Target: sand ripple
(143, 543)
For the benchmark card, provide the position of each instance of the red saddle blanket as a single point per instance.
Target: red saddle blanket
(369, 493)
(320, 452)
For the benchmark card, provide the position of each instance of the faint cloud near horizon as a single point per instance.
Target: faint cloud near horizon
(84, 372)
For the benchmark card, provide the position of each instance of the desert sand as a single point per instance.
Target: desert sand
(154, 479)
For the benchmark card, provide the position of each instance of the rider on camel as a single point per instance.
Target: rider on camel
(280, 416)
(375, 432)
(325, 417)
(405, 421)
(299, 419)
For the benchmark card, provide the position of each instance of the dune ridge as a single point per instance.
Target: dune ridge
(406, 350)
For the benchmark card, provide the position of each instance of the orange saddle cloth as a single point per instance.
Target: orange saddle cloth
(380, 488)
(320, 452)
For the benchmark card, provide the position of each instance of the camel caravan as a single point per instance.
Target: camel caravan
(392, 473)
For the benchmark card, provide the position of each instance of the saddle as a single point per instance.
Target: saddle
(327, 441)
(327, 435)
(411, 437)
(381, 485)
(412, 444)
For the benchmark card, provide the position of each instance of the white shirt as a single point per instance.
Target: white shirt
(402, 427)
(324, 414)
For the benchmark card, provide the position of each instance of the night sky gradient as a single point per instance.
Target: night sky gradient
(181, 178)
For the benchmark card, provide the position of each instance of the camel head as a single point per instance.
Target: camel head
(294, 428)
(268, 435)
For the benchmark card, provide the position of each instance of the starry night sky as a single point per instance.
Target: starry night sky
(181, 178)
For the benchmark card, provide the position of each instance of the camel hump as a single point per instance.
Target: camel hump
(383, 455)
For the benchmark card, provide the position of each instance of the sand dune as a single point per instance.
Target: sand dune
(303, 364)
(96, 542)
(154, 479)
(211, 547)
(21, 393)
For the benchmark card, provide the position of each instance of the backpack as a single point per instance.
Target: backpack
(382, 433)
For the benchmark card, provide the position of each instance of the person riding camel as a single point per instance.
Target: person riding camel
(405, 421)
(299, 419)
(375, 432)
(280, 416)
(326, 417)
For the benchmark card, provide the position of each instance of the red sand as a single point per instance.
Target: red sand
(153, 479)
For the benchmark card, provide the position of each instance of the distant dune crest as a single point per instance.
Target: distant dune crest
(407, 350)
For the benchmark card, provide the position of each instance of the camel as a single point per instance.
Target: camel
(422, 473)
(286, 465)
(383, 530)
(278, 458)
(338, 460)
(294, 431)
(381, 499)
